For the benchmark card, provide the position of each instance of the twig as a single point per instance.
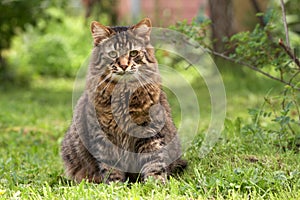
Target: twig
(285, 24)
(294, 76)
(283, 108)
(296, 105)
(294, 97)
(287, 47)
(252, 67)
(289, 52)
(258, 10)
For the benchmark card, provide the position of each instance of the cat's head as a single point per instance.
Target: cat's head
(123, 51)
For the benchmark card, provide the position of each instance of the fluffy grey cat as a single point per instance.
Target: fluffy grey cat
(122, 127)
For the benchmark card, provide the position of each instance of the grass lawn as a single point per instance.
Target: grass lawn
(240, 166)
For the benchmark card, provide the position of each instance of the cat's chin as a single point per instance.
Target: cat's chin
(124, 77)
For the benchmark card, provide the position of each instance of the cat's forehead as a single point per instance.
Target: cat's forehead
(123, 40)
(119, 29)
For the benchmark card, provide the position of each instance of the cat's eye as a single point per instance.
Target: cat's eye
(133, 53)
(113, 54)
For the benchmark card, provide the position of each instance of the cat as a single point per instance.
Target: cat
(122, 128)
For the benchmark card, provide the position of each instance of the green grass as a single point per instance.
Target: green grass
(240, 166)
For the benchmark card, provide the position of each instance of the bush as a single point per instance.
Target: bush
(56, 47)
(49, 55)
(260, 51)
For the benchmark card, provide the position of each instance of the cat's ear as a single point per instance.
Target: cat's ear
(100, 32)
(143, 28)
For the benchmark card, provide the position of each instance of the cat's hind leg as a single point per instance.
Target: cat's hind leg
(79, 163)
(89, 173)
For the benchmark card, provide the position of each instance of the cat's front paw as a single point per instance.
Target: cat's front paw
(114, 176)
(161, 177)
(110, 175)
(114, 179)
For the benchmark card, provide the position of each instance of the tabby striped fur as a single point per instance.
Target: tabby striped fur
(122, 126)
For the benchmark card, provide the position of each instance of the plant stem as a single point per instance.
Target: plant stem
(290, 53)
(285, 24)
(258, 10)
(252, 67)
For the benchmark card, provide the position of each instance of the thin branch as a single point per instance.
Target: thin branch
(285, 24)
(289, 52)
(283, 108)
(258, 10)
(261, 20)
(252, 67)
(296, 105)
(294, 76)
(294, 97)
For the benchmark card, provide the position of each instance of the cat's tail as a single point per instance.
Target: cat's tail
(177, 166)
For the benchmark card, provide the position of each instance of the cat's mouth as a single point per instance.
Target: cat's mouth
(122, 73)
(125, 75)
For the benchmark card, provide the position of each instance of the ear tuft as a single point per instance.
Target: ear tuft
(100, 32)
(143, 28)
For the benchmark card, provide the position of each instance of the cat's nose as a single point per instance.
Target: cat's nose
(124, 67)
(123, 62)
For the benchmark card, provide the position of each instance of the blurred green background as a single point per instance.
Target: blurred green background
(51, 37)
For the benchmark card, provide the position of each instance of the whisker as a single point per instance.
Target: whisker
(108, 84)
(152, 72)
(106, 77)
(148, 76)
(149, 84)
(143, 79)
(136, 76)
(146, 79)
